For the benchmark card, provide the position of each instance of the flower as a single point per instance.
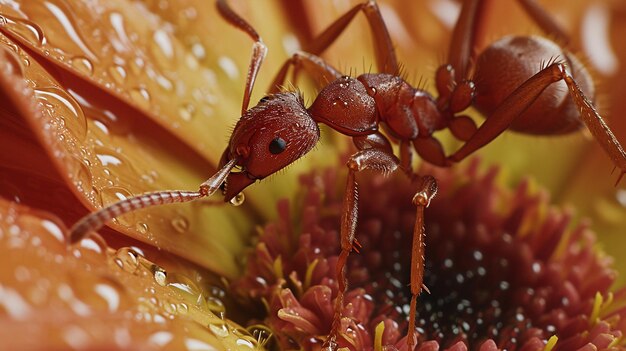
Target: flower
(505, 270)
(102, 100)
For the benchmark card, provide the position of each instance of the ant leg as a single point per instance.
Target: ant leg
(544, 21)
(430, 150)
(427, 190)
(524, 96)
(596, 125)
(373, 159)
(511, 107)
(259, 50)
(463, 39)
(406, 156)
(383, 46)
(464, 34)
(314, 65)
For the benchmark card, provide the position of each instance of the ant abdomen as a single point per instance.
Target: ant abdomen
(509, 62)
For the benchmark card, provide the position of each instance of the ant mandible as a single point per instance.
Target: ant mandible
(504, 87)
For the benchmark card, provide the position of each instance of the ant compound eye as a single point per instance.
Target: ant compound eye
(278, 145)
(264, 99)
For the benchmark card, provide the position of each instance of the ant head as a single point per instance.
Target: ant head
(267, 138)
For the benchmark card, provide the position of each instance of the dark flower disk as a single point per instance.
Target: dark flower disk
(505, 270)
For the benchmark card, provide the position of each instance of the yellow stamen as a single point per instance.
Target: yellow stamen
(378, 336)
(309, 274)
(551, 343)
(595, 312)
(278, 268)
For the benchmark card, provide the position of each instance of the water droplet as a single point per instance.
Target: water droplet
(65, 108)
(229, 67)
(13, 303)
(170, 308)
(110, 294)
(82, 65)
(113, 194)
(198, 51)
(186, 112)
(186, 287)
(162, 48)
(25, 29)
(160, 338)
(127, 259)
(249, 344)
(137, 65)
(118, 73)
(195, 344)
(160, 275)
(220, 329)
(65, 18)
(164, 83)
(82, 176)
(93, 243)
(180, 224)
(183, 308)
(141, 97)
(142, 228)
(53, 229)
(75, 337)
(215, 305)
(238, 200)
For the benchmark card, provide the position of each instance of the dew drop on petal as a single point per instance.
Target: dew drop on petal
(64, 107)
(219, 329)
(25, 29)
(183, 308)
(65, 18)
(93, 243)
(180, 224)
(162, 48)
(160, 275)
(82, 65)
(53, 229)
(118, 73)
(215, 305)
(109, 195)
(127, 259)
(161, 338)
(14, 304)
(186, 112)
(195, 344)
(229, 67)
(238, 200)
(75, 337)
(110, 294)
(141, 97)
(245, 344)
(142, 228)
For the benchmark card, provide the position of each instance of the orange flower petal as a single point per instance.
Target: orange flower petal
(93, 297)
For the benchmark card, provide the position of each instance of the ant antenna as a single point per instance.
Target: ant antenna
(96, 220)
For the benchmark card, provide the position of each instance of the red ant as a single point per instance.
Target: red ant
(505, 88)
